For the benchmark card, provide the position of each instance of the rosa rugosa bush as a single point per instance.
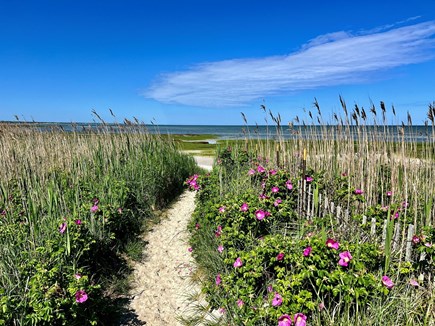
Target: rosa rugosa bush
(284, 275)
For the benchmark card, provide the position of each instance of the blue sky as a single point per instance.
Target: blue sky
(205, 61)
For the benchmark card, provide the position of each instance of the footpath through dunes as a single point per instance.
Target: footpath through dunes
(162, 281)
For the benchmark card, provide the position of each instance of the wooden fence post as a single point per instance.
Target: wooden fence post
(308, 200)
(325, 206)
(384, 232)
(373, 227)
(299, 197)
(396, 236)
(338, 213)
(409, 242)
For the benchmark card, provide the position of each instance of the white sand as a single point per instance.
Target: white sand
(162, 281)
(206, 162)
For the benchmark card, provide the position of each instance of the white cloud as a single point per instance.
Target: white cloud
(331, 59)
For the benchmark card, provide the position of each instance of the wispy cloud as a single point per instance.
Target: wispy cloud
(331, 59)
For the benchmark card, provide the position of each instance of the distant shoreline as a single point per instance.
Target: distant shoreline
(393, 133)
(35, 123)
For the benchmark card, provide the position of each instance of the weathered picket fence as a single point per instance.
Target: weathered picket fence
(311, 204)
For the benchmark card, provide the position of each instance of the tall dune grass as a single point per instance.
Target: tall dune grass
(377, 158)
(70, 204)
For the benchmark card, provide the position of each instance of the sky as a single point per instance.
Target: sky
(206, 61)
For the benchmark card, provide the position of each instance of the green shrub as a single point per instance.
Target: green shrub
(263, 260)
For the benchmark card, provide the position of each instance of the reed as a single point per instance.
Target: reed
(71, 204)
(377, 157)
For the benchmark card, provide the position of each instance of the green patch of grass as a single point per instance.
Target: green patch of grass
(134, 249)
(187, 146)
(194, 137)
(204, 145)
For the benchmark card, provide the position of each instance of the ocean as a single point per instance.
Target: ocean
(394, 133)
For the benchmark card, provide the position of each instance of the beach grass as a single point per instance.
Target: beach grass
(72, 206)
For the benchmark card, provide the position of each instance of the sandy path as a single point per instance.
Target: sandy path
(206, 162)
(162, 281)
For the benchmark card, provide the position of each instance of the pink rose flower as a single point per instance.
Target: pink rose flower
(220, 248)
(263, 196)
(238, 263)
(331, 243)
(307, 251)
(277, 300)
(300, 319)
(280, 256)
(345, 258)
(81, 296)
(414, 283)
(275, 189)
(260, 214)
(395, 216)
(387, 282)
(244, 207)
(284, 320)
(62, 228)
(415, 239)
(218, 231)
(218, 279)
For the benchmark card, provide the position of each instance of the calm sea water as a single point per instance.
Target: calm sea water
(414, 133)
(409, 133)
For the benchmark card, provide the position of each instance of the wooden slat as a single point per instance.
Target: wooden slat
(409, 242)
(373, 226)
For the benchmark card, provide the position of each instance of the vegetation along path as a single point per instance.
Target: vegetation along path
(162, 280)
